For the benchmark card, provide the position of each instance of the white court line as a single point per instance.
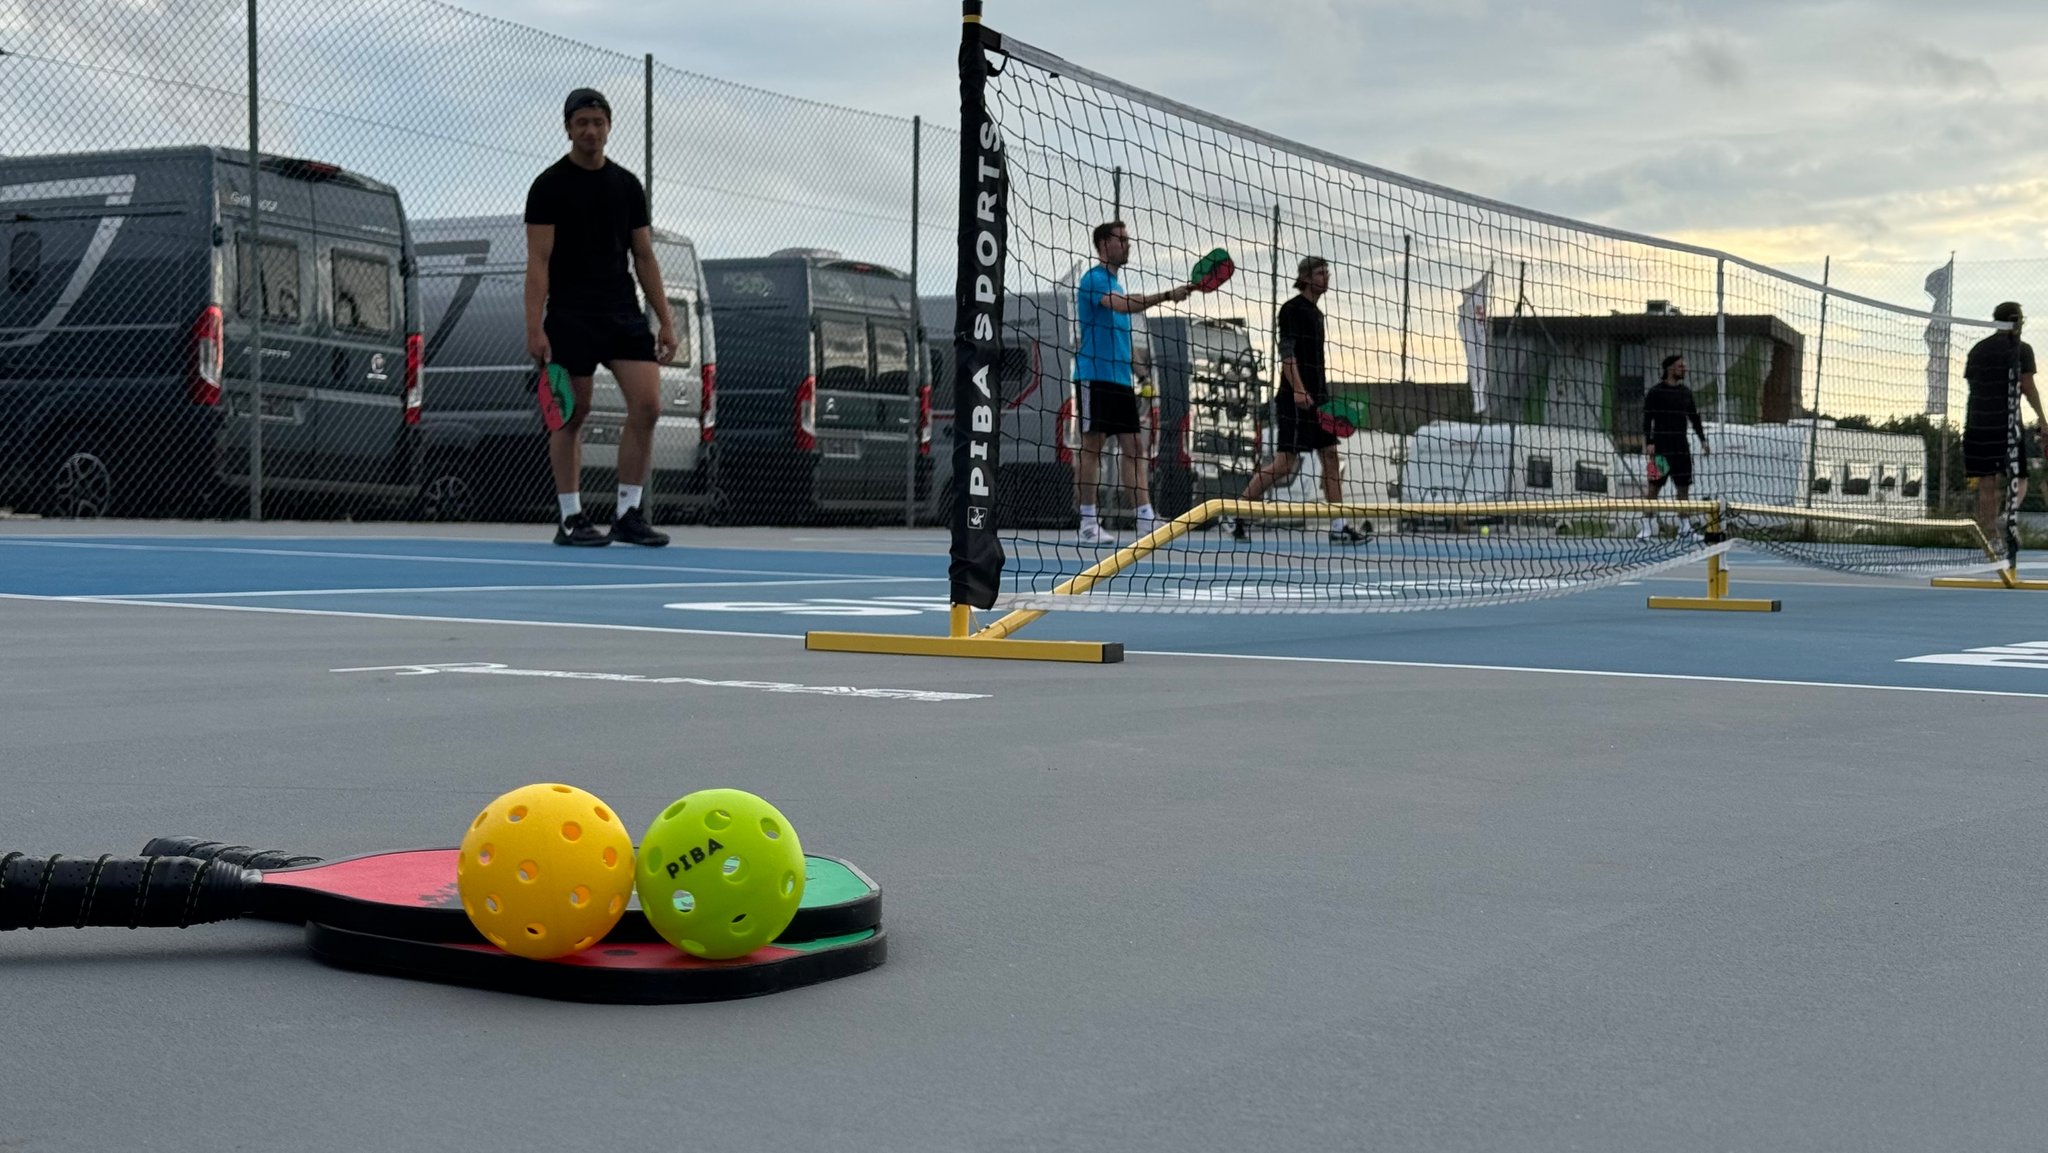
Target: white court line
(642, 568)
(396, 616)
(503, 588)
(1134, 652)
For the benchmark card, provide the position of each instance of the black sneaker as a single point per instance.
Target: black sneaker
(631, 527)
(578, 531)
(1237, 529)
(1351, 536)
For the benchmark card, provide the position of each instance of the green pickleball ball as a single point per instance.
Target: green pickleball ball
(720, 873)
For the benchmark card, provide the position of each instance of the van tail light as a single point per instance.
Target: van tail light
(924, 420)
(1181, 452)
(203, 373)
(807, 415)
(415, 361)
(707, 405)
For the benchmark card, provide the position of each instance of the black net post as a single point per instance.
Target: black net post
(2015, 455)
(977, 552)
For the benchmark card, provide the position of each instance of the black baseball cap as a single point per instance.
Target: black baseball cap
(585, 98)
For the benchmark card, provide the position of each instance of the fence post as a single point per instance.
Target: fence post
(259, 274)
(918, 380)
(1820, 354)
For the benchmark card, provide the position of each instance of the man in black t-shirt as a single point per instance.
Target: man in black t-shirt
(1985, 450)
(1667, 408)
(583, 216)
(1303, 385)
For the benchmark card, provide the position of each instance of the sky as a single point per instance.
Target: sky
(1882, 133)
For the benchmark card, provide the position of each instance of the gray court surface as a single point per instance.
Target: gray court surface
(1183, 903)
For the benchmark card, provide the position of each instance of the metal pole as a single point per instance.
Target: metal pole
(1116, 193)
(1258, 424)
(647, 144)
(1721, 340)
(257, 270)
(1941, 484)
(1820, 353)
(1407, 251)
(917, 345)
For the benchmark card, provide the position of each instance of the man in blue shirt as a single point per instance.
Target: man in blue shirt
(1105, 393)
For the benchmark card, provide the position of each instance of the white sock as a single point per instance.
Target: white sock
(1145, 512)
(1087, 514)
(1337, 525)
(571, 502)
(629, 497)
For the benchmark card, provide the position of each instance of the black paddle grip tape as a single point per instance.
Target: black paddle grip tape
(241, 855)
(56, 892)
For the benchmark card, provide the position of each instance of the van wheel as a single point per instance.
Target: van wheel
(77, 480)
(447, 494)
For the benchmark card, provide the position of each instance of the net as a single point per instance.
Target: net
(1490, 415)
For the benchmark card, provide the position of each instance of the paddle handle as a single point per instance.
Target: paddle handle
(243, 855)
(170, 892)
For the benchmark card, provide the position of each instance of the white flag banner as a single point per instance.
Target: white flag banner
(1472, 316)
(1941, 286)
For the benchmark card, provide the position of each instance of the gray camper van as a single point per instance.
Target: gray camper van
(486, 452)
(125, 334)
(824, 408)
(1040, 430)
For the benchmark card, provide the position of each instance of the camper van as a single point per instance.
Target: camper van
(135, 282)
(1800, 465)
(824, 407)
(486, 452)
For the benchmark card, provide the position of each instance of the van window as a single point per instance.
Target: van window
(280, 281)
(1539, 473)
(1915, 477)
(842, 354)
(362, 293)
(1589, 476)
(1858, 481)
(892, 360)
(685, 315)
(24, 261)
(1823, 476)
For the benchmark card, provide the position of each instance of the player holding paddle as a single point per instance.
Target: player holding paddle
(1103, 385)
(1297, 427)
(1667, 408)
(583, 215)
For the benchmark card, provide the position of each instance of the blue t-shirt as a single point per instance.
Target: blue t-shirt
(1105, 352)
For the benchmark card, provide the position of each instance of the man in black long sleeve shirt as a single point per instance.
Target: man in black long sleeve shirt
(1667, 408)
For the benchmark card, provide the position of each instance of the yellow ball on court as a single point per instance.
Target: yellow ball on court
(545, 871)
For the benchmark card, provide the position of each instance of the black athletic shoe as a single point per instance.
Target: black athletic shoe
(631, 527)
(1237, 529)
(1350, 536)
(578, 531)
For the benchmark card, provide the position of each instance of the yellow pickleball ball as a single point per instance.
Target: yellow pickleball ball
(545, 871)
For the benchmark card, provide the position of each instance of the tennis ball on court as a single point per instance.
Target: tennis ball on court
(720, 874)
(1486, 530)
(545, 871)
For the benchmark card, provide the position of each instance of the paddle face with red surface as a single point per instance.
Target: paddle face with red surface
(1336, 424)
(418, 889)
(610, 972)
(557, 398)
(1212, 271)
(409, 895)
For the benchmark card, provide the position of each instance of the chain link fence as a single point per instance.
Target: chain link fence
(338, 329)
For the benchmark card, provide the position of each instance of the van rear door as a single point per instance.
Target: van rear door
(283, 295)
(363, 437)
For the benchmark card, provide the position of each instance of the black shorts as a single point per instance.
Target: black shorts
(1109, 408)
(1297, 430)
(1677, 463)
(1984, 450)
(580, 342)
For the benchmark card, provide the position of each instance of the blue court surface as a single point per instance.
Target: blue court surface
(1834, 628)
